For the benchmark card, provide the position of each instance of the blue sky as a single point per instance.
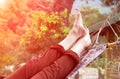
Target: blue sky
(95, 3)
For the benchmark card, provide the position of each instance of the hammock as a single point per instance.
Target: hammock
(95, 49)
(89, 55)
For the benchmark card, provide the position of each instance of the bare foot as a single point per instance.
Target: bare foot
(77, 32)
(78, 29)
(82, 43)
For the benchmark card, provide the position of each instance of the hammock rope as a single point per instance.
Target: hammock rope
(115, 10)
(113, 31)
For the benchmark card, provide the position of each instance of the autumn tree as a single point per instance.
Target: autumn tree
(91, 15)
(109, 2)
(105, 2)
(46, 29)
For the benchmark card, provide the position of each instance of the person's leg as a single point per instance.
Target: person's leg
(82, 44)
(60, 68)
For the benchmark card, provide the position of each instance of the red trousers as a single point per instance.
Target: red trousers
(55, 63)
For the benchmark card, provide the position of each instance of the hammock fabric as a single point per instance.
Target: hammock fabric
(86, 58)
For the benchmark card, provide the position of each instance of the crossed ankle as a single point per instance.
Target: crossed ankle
(78, 33)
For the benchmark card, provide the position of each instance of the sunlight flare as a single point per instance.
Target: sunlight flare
(4, 4)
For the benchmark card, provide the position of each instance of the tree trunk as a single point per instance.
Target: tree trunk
(60, 5)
